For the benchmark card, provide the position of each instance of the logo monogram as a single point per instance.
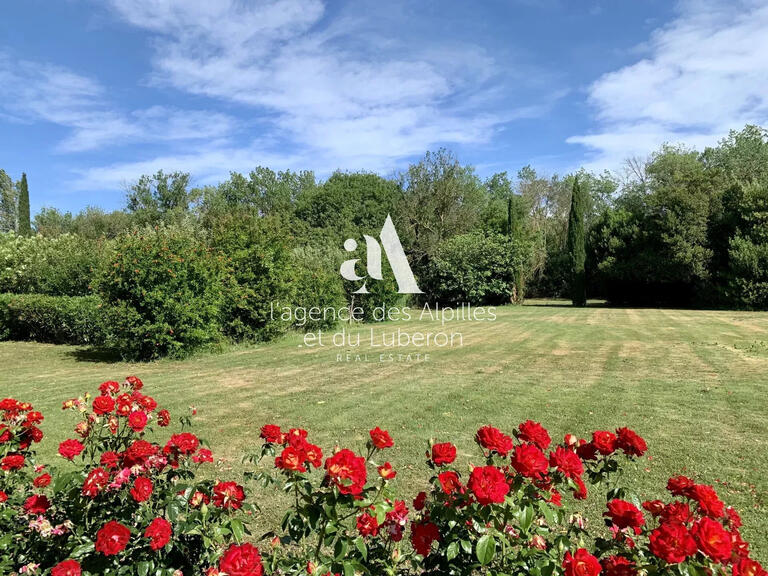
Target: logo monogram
(406, 283)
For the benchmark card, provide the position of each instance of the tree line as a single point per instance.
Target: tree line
(682, 228)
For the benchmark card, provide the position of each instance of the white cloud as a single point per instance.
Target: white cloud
(335, 89)
(33, 91)
(702, 75)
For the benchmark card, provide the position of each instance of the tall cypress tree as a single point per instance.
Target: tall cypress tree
(25, 225)
(577, 249)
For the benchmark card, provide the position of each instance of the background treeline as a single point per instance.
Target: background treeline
(181, 267)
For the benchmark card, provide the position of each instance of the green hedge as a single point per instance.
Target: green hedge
(62, 266)
(164, 288)
(56, 319)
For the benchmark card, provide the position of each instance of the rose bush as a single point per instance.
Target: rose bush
(344, 518)
(126, 505)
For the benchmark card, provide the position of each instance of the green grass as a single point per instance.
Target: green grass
(693, 383)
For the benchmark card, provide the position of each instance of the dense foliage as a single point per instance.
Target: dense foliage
(63, 265)
(577, 249)
(123, 504)
(683, 228)
(477, 267)
(55, 319)
(164, 286)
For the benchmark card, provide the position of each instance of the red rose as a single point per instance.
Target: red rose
(386, 471)
(747, 567)
(148, 403)
(34, 418)
(680, 485)
(109, 387)
(203, 455)
(163, 418)
(624, 514)
(709, 503)
(12, 462)
(184, 443)
(381, 438)
(347, 471)
(655, 507)
(534, 433)
(103, 405)
(67, 568)
(291, 459)
(42, 481)
(3, 497)
(580, 493)
(494, 440)
(242, 560)
(112, 538)
(228, 495)
(712, 539)
(70, 448)
(198, 498)
(488, 484)
(159, 533)
(272, 434)
(618, 566)
(95, 482)
(137, 421)
(444, 453)
(604, 441)
(367, 525)
(567, 462)
(676, 513)
(142, 489)
(36, 504)
(529, 461)
(581, 564)
(134, 382)
(420, 501)
(109, 459)
(672, 543)
(630, 443)
(734, 520)
(449, 482)
(422, 536)
(586, 450)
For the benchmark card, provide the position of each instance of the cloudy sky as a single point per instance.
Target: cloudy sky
(95, 93)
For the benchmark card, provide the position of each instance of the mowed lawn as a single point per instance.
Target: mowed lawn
(693, 383)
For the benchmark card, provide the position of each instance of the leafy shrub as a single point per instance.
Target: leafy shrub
(165, 288)
(127, 505)
(510, 516)
(18, 433)
(343, 522)
(261, 273)
(62, 266)
(318, 285)
(477, 268)
(55, 319)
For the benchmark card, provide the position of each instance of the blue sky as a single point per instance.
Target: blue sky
(95, 93)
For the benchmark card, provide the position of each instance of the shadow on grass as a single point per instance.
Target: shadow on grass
(535, 303)
(97, 355)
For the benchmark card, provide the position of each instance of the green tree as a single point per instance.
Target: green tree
(161, 197)
(8, 203)
(441, 199)
(577, 244)
(51, 222)
(25, 226)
